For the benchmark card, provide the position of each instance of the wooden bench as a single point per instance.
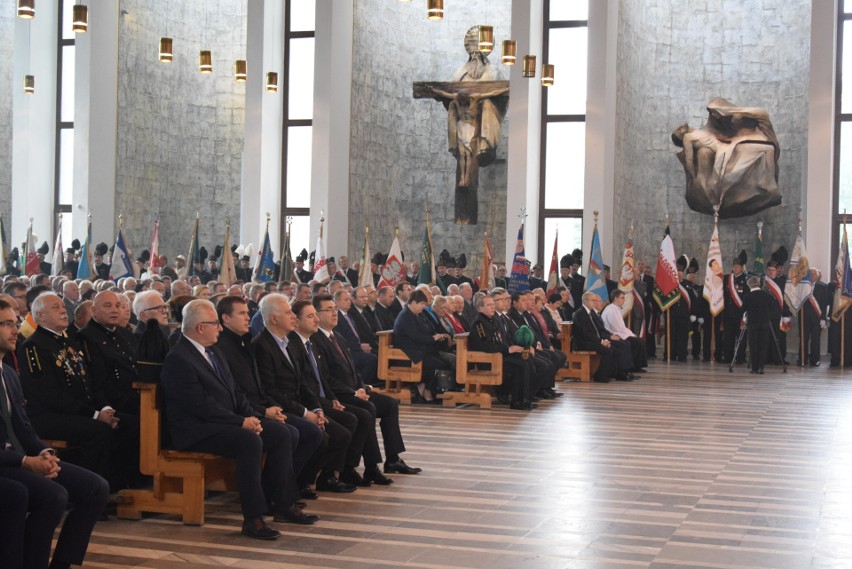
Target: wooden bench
(180, 478)
(394, 371)
(580, 365)
(478, 383)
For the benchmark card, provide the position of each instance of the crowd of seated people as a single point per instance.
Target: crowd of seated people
(284, 369)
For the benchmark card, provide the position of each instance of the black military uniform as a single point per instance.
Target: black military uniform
(63, 402)
(72, 265)
(814, 315)
(111, 357)
(678, 318)
(777, 260)
(102, 269)
(44, 267)
(485, 337)
(760, 308)
(735, 293)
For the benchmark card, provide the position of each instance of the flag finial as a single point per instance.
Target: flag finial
(89, 216)
(595, 213)
(523, 214)
(367, 230)
(760, 229)
(197, 211)
(322, 216)
(121, 221)
(715, 214)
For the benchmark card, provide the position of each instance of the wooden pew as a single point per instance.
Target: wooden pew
(394, 371)
(180, 478)
(478, 383)
(580, 365)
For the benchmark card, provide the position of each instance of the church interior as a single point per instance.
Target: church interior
(347, 124)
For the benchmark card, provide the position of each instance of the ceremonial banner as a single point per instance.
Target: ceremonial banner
(121, 265)
(155, 245)
(486, 277)
(626, 278)
(759, 268)
(189, 268)
(84, 269)
(666, 293)
(427, 272)
(264, 270)
(320, 264)
(519, 278)
(553, 273)
(4, 253)
(227, 271)
(393, 272)
(365, 275)
(799, 287)
(714, 285)
(286, 271)
(843, 277)
(595, 281)
(58, 258)
(32, 266)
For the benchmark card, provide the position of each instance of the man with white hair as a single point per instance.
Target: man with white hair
(71, 298)
(206, 413)
(65, 402)
(181, 288)
(147, 306)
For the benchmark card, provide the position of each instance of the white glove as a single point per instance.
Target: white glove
(701, 321)
(692, 319)
(823, 324)
(786, 320)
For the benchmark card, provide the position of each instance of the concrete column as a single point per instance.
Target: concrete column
(599, 185)
(95, 125)
(261, 190)
(819, 170)
(331, 126)
(524, 131)
(34, 125)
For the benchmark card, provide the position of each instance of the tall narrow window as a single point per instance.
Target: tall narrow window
(66, 72)
(563, 127)
(298, 101)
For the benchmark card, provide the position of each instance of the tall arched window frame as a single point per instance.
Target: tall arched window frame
(65, 85)
(563, 127)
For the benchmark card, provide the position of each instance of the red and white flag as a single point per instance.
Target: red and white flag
(155, 244)
(553, 273)
(393, 272)
(320, 264)
(714, 279)
(625, 280)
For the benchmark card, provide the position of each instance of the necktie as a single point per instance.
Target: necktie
(342, 351)
(351, 325)
(213, 362)
(7, 417)
(309, 346)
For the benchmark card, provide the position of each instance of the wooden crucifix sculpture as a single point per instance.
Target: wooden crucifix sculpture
(476, 101)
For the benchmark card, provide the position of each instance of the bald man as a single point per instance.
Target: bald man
(111, 353)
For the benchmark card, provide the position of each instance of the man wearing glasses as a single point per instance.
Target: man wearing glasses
(149, 305)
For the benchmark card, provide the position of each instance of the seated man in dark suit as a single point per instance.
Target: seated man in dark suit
(590, 334)
(403, 293)
(366, 362)
(359, 421)
(384, 315)
(364, 317)
(309, 441)
(520, 315)
(30, 471)
(206, 414)
(338, 368)
(110, 354)
(285, 381)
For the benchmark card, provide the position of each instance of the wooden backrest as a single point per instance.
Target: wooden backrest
(389, 354)
(149, 426)
(466, 357)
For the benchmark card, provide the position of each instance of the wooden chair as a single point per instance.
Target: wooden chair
(395, 369)
(478, 383)
(580, 365)
(180, 478)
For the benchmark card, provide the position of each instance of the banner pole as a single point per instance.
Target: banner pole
(843, 340)
(712, 340)
(668, 337)
(802, 335)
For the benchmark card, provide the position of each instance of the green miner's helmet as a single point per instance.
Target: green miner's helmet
(525, 337)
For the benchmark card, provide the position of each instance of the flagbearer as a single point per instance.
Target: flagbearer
(816, 311)
(760, 312)
(774, 284)
(736, 290)
(680, 312)
(699, 310)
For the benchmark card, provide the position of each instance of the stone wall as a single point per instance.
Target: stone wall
(180, 132)
(674, 56)
(7, 84)
(399, 159)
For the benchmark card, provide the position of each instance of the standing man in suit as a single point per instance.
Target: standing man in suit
(761, 310)
(207, 414)
(31, 470)
(735, 292)
(338, 368)
(286, 382)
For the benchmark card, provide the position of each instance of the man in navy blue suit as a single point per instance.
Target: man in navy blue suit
(366, 362)
(30, 474)
(207, 414)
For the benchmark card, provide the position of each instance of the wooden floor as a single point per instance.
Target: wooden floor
(691, 467)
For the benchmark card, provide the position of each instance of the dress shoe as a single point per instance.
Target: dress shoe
(555, 393)
(300, 504)
(544, 394)
(352, 477)
(401, 468)
(258, 529)
(623, 378)
(815, 364)
(760, 371)
(643, 370)
(629, 376)
(295, 515)
(376, 477)
(602, 380)
(523, 406)
(308, 494)
(753, 371)
(332, 484)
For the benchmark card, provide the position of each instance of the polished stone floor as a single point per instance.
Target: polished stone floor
(690, 468)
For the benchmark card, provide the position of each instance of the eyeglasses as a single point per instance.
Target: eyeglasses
(332, 309)
(161, 308)
(211, 323)
(8, 324)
